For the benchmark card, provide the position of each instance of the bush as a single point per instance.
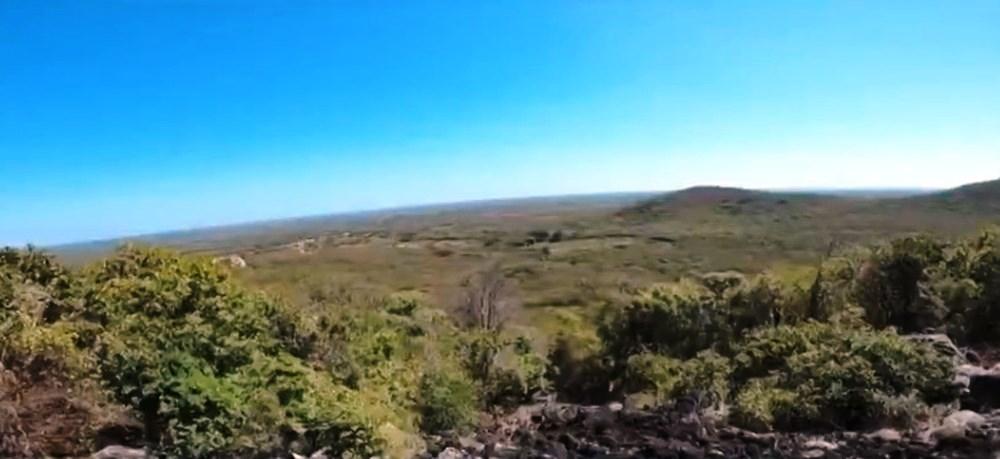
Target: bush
(677, 321)
(892, 285)
(448, 401)
(834, 376)
(761, 405)
(507, 369)
(42, 373)
(706, 375)
(205, 364)
(578, 374)
(981, 316)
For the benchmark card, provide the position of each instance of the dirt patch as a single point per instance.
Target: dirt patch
(45, 416)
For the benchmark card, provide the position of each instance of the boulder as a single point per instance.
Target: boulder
(820, 444)
(121, 452)
(452, 453)
(965, 419)
(941, 343)
(885, 435)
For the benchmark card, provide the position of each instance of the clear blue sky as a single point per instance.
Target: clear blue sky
(125, 117)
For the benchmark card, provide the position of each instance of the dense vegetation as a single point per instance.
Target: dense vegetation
(210, 368)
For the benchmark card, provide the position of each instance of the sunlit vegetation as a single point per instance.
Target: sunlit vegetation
(201, 364)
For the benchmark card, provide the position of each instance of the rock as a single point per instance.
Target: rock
(954, 429)
(600, 418)
(120, 452)
(820, 444)
(559, 413)
(234, 261)
(813, 454)
(965, 418)
(615, 407)
(570, 441)
(321, 454)
(762, 439)
(451, 453)
(471, 445)
(948, 433)
(941, 343)
(886, 435)
(558, 450)
(507, 451)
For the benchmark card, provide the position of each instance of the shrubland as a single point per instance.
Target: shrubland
(206, 366)
(209, 368)
(827, 354)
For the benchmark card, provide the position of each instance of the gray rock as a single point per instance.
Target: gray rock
(452, 453)
(941, 343)
(965, 418)
(470, 444)
(947, 433)
(886, 435)
(121, 452)
(820, 444)
(601, 417)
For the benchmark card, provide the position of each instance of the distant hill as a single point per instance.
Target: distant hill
(701, 209)
(973, 198)
(977, 198)
(730, 201)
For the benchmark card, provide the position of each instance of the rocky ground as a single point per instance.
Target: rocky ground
(552, 430)
(569, 431)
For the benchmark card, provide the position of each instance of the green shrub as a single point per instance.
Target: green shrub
(448, 401)
(707, 375)
(761, 405)
(507, 369)
(578, 373)
(836, 376)
(676, 320)
(193, 353)
(892, 285)
(981, 316)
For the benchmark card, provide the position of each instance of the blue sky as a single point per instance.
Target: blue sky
(125, 117)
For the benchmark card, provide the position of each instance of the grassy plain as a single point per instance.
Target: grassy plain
(572, 255)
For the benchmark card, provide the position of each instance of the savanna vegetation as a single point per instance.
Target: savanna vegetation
(194, 358)
(208, 367)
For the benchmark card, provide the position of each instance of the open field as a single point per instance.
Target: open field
(571, 255)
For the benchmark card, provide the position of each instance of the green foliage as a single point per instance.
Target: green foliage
(448, 401)
(684, 319)
(519, 374)
(891, 285)
(832, 375)
(761, 405)
(577, 372)
(918, 283)
(675, 320)
(707, 374)
(508, 369)
(209, 367)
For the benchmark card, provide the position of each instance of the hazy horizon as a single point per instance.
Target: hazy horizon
(879, 192)
(127, 118)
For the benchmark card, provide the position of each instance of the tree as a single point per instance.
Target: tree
(489, 299)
